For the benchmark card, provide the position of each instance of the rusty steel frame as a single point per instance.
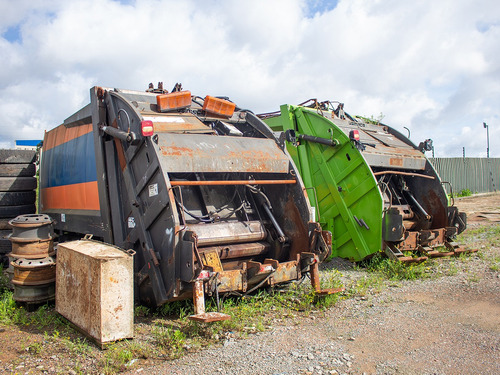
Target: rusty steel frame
(232, 182)
(404, 174)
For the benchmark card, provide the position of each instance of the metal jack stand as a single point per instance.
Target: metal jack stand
(199, 306)
(314, 269)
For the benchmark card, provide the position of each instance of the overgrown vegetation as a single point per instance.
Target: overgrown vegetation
(166, 332)
(395, 270)
(462, 193)
(372, 119)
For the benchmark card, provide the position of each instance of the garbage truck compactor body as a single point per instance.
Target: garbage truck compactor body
(201, 191)
(370, 185)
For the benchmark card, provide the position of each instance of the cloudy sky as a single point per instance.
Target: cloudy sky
(431, 66)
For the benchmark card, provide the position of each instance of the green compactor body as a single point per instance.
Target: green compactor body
(368, 183)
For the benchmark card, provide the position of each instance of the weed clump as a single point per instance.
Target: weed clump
(395, 270)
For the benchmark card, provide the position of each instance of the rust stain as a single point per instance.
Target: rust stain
(396, 161)
(175, 127)
(177, 151)
(297, 231)
(434, 206)
(35, 249)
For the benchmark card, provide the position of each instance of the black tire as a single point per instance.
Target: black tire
(4, 233)
(13, 211)
(17, 183)
(4, 223)
(17, 156)
(17, 198)
(5, 246)
(17, 170)
(4, 262)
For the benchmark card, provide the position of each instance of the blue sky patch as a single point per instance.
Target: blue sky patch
(125, 2)
(484, 27)
(320, 6)
(13, 34)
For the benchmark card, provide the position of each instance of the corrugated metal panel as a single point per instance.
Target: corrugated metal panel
(479, 175)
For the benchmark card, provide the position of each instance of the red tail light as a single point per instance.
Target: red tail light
(204, 275)
(147, 128)
(354, 135)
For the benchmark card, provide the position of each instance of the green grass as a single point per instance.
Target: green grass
(167, 332)
(368, 284)
(122, 355)
(483, 233)
(395, 270)
(169, 339)
(42, 318)
(464, 193)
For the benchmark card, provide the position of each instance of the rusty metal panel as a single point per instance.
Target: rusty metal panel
(285, 271)
(207, 153)
(235, 251)
(403, 160)
(211, 258)
(94, 289)
(227, 233)
(389, 151)
(411, 241)
(186, 123)
(434, 237)
(233, 280)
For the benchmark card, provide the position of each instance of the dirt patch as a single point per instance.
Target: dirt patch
(481, 207)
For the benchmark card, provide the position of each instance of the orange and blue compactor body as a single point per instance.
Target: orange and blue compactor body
(201, 190)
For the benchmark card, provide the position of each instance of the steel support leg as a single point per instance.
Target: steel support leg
(314, 272)
(199, 306)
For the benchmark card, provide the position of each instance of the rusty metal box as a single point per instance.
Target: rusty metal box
(94, 289)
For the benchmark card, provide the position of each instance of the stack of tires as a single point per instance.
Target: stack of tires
(17, 192)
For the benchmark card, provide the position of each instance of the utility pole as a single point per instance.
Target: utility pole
(487, 139)
(488, 156)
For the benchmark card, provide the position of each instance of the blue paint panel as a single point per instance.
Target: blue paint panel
(69, 163)
(28, 142)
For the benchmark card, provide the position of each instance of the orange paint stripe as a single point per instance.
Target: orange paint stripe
(71, 197)
(62, 134)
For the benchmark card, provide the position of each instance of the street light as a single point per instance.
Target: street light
(487, 140)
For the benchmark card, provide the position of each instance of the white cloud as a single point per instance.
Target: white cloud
(431, 66)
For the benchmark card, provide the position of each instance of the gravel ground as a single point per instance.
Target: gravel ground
(448, 325)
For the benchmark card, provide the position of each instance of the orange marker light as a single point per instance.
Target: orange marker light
(173, 101)
(218, 106)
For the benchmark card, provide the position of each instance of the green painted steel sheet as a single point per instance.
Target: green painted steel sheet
(339, 182)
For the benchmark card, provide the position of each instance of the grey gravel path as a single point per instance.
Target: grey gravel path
(448, 325)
